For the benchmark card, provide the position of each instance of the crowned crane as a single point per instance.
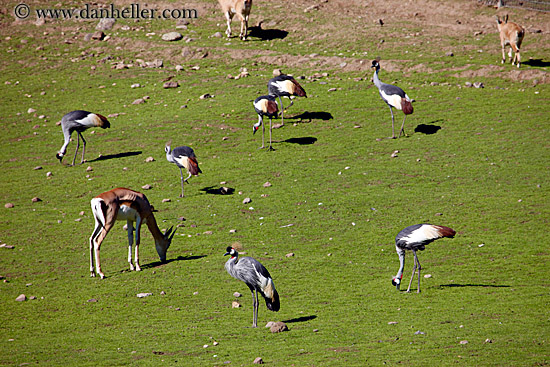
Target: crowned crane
(414, 238)
(394, 96)
(285, 86)
(79, 121)
(265, 106)
(256, 277)
(183, 157)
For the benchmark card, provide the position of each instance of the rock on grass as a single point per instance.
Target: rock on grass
(278, 327)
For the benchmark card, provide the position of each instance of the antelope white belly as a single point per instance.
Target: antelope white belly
(127, 213)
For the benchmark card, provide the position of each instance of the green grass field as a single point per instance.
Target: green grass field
(475, 159)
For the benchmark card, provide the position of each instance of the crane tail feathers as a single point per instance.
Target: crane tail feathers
(194, 166)
(445, 231)
(406, 106)
(271, 296)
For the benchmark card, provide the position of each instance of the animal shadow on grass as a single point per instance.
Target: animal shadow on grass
(325, 116)
(300, 319)
(474, 285)
(428, 129)
(306, 140)
(155, 264)
(214, 190)
(266, 34)
(537, 62)
(113, 156)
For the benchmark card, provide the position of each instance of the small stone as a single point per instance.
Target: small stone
(21, 298)
(247, 201)
(258, 360)
(205, 346)
(31, 110)
(149, 159)
(205, 96)
(89, 169)
(392, 323)
(49, 174)
(267, 184)
(139, 101)
(92, 300)
(179, 68)
(36, 199)
(427, 276)
(488, 340)
(9, 205)
(162, 293)
(171, 36)
(217, 35)
(479, 85)
(136, 85)
(463, 342)
(278, 327)
(170, 84)
(237, 295)
(232, 231)
(468, 84)
(290, 254)
(215, 343)
(235, 304)
(105, 24)
(449, 54)
(37, 168)
(166, 200)
(98, 35)
(419, 332)
(394, 154)
(142, 295)
(195, 293)
(332, 89)
(146, 187)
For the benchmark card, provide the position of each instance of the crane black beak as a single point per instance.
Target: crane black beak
(227, 253)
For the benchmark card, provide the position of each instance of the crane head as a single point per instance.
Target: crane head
(230, 251)
(59, 156)
(396, 282)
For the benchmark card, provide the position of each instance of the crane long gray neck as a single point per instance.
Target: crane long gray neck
(375, 78)
(169, 154)
(67, 136)
(401, 254)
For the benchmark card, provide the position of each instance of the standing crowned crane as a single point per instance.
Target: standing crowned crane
(265, 106)
(394, 96)
(285, 86)
(414, 238)
(79, 121)
(183, 157)
(256, 277)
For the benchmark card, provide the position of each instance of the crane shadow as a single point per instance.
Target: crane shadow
(537, 63)
(306, 140)
(114, 156)
(300, 319)
(428, 129)
(321, 115)
(214, 190)
(474, 285)
(266, 34)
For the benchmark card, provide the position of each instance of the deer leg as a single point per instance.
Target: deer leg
(130, 226)
(138, 239)
(97, 230)
(228, 16)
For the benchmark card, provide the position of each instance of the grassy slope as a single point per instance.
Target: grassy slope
(344, 195)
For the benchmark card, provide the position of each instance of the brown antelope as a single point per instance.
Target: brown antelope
(241, 8)
(511, 34)
(132, 206)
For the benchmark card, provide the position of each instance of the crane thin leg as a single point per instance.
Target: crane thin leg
(77, 146)
(392, 121)
(282, 112)
(270, 129)
(403, 127)
(83, 148)
(419, 268)
(255, 308)
(413, 272)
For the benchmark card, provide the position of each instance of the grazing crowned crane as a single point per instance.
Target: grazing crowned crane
(394, 96)
(285, 86)
(265, 106)
(256, 277)
(183, 157)
(79, 121)
(415, 238)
